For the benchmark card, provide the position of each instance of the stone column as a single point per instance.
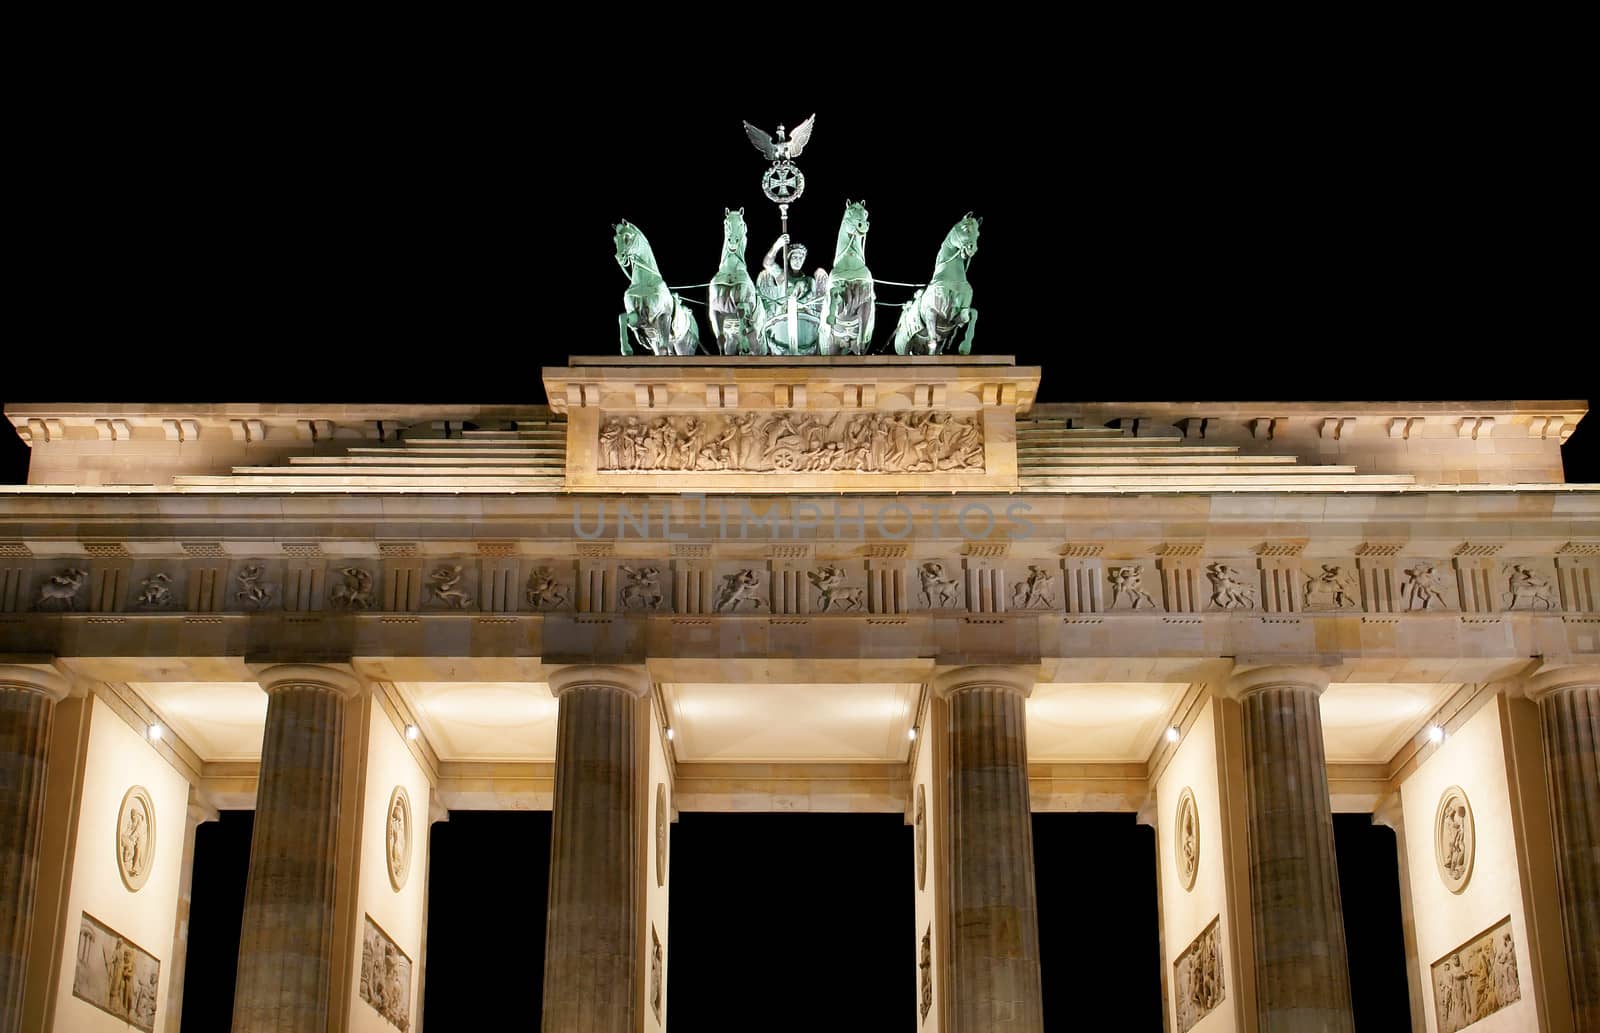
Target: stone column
(286, 944)
(28, 698)
(1569, 707)
(199, 814)
(592, 977)
(1302, 972)
(993, 980)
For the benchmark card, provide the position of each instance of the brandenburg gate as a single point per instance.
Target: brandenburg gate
(830, 583)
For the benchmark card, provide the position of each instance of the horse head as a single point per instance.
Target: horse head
(735, 234)
(855, 217)
(630, 243)
(963, 236)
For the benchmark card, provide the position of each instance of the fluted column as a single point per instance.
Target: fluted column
(1569, 708)
(286, 944)
(28, 699)
(1302, 972)
(993, 980)
(591, 960)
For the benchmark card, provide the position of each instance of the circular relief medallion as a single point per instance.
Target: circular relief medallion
(1186, 839)
(1454, 839)
(922, 837)
(397, 838)
(661, 834)
(136, 838)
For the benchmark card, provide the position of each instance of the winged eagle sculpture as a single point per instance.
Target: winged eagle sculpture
(781, 149)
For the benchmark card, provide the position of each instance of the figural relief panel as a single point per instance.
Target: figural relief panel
(834, 593)
(136, 838)
(939, 585)
(922, 837)
(155, 592)
(385, 976)
(448, 587)
(254, 587)
(661, 833)
(1426, 586)
(1477, 979)
(116, 975)
(1186, 839)
(545, 589)
(746, 587)
(925, 970)
(397, 838)
(658, 975)
(63, 590)
(1455, 839)
(640, 588)
(863, 442)
(1527, 585)
(1198, 981)
(1128, 587)
(351, 588)
(1330, 585)
(1230, 587)
(1036, 591)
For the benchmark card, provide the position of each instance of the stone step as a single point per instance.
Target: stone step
(396, 470)
(1135, 445)
(554, 458)
(1070, 459)
(1296, 473)
(368, 480)
(1145, 479)
(1069, 437)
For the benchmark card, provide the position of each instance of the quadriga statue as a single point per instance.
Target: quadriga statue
(937, 313)
(652, 315)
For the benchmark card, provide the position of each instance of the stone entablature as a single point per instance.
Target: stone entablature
(937, 423)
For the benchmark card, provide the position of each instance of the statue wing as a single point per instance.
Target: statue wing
(762, 142)
(800, 137)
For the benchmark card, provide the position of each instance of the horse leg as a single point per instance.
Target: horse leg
(869, 319)
(971, 315)
(622, 330)
(905, 331)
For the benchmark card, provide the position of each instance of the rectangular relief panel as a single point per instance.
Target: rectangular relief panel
(1476, 979)
(1198, 984)
(116, 975)
(385, 976)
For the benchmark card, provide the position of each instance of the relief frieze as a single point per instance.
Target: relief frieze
(862, 442)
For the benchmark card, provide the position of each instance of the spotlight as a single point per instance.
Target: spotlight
(1435, 734)
(413, 733)
(155, 732)
(911, 733)
(1173, 735)
(669, 735)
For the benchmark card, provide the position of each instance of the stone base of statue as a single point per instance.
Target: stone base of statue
(787, 423)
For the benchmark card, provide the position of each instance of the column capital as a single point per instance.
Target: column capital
(1554, 679)
(40, 678)
(1254, 679)
(1018, 678)
(634, 680)
(336, 678)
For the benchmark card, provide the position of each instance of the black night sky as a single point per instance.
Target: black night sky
(425, 243)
